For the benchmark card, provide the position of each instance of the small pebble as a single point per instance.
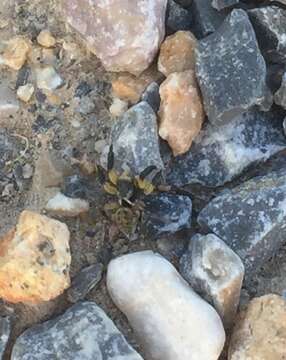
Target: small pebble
(16, 53)
(118, 107)
(25, 92)
(64, 206)
(46, 39)
(48, 78)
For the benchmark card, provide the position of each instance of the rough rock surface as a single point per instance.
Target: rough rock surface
(177, 53)
(219, 154)
(124, 35)
(181, 112)
(166, 214)
(222, 4)
(16, 53)
(250, 218)
(280, 95)
(9, 105)
(167, 315)
(83, 332)
(227, 60)
(207, 19)
(5, 329)
(152, 97)
(64, 206)
(135, 139)
(261, 331)
(84, 282)
(269, 23)
(35, 260)
(177, 17)
(216, 272)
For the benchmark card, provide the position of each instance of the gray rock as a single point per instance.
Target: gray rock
(284, 126)
(5, 329)
(135, 140)
(280, 95)
(269, 24)
(184, 3)
(151, 96)
(207, 19)
(9, 105)
(222, 4)
(83, 332)
(231, 70)
(216, 272)
(166, 214)
(84, 282)
(250, 218)
(178, 18)
(221, 153)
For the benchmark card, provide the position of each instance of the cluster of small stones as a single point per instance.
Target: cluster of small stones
(194, 74)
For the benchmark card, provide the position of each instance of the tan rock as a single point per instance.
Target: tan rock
(130, 88)
(118, 107)
(46, 39)
(25, 92)
(181, 112)
(260, 334)
(34, 260)
(16, 52)
(125, 35)
(177, 53)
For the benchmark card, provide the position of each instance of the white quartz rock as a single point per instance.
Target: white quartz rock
(172, 322)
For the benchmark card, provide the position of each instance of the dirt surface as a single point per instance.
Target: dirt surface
(72, 127)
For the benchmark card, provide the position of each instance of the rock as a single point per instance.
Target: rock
(46, 39)
(207, 19)
(25, 92)
(167, 316)
(5, 329)
(219, 154)
(230, 59)
(83, 332)
(185, 3)
(284, 126)
(124, 35)
(260, 332)
(48, 78)
(269, 23)
(27, 171)
(152, 97)
(135, 140)
(16, 53)
(35, 260)
(222, 4)
(181, 111)
(177, 17)
(84, 282)
(9, 105)
(177, 53)
(250, 218)
(280, 95)
(62, 205)
(216, 272)
(166, 214)
(118, 107)
(130, 88)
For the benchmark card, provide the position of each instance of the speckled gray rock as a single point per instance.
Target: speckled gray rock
(83, 332)
(250, 218)
(284, 126)
(280, 95)
(207, 19)
(269, 24)
(151, 96)
(221, 153)
(84, 282)
(178, 18)
(135, 139)
(216, 272)
(222, 4)
(5, 329)
(166, 214)
(230, 59)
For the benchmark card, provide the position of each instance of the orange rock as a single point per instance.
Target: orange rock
(130, 88)
(181, 112)
(34, 260)
(177, 53)
(16, 52)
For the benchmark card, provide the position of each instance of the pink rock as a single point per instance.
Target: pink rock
(181, 111)
(125, 35)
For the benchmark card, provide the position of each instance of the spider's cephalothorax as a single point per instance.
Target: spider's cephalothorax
(125, 186)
